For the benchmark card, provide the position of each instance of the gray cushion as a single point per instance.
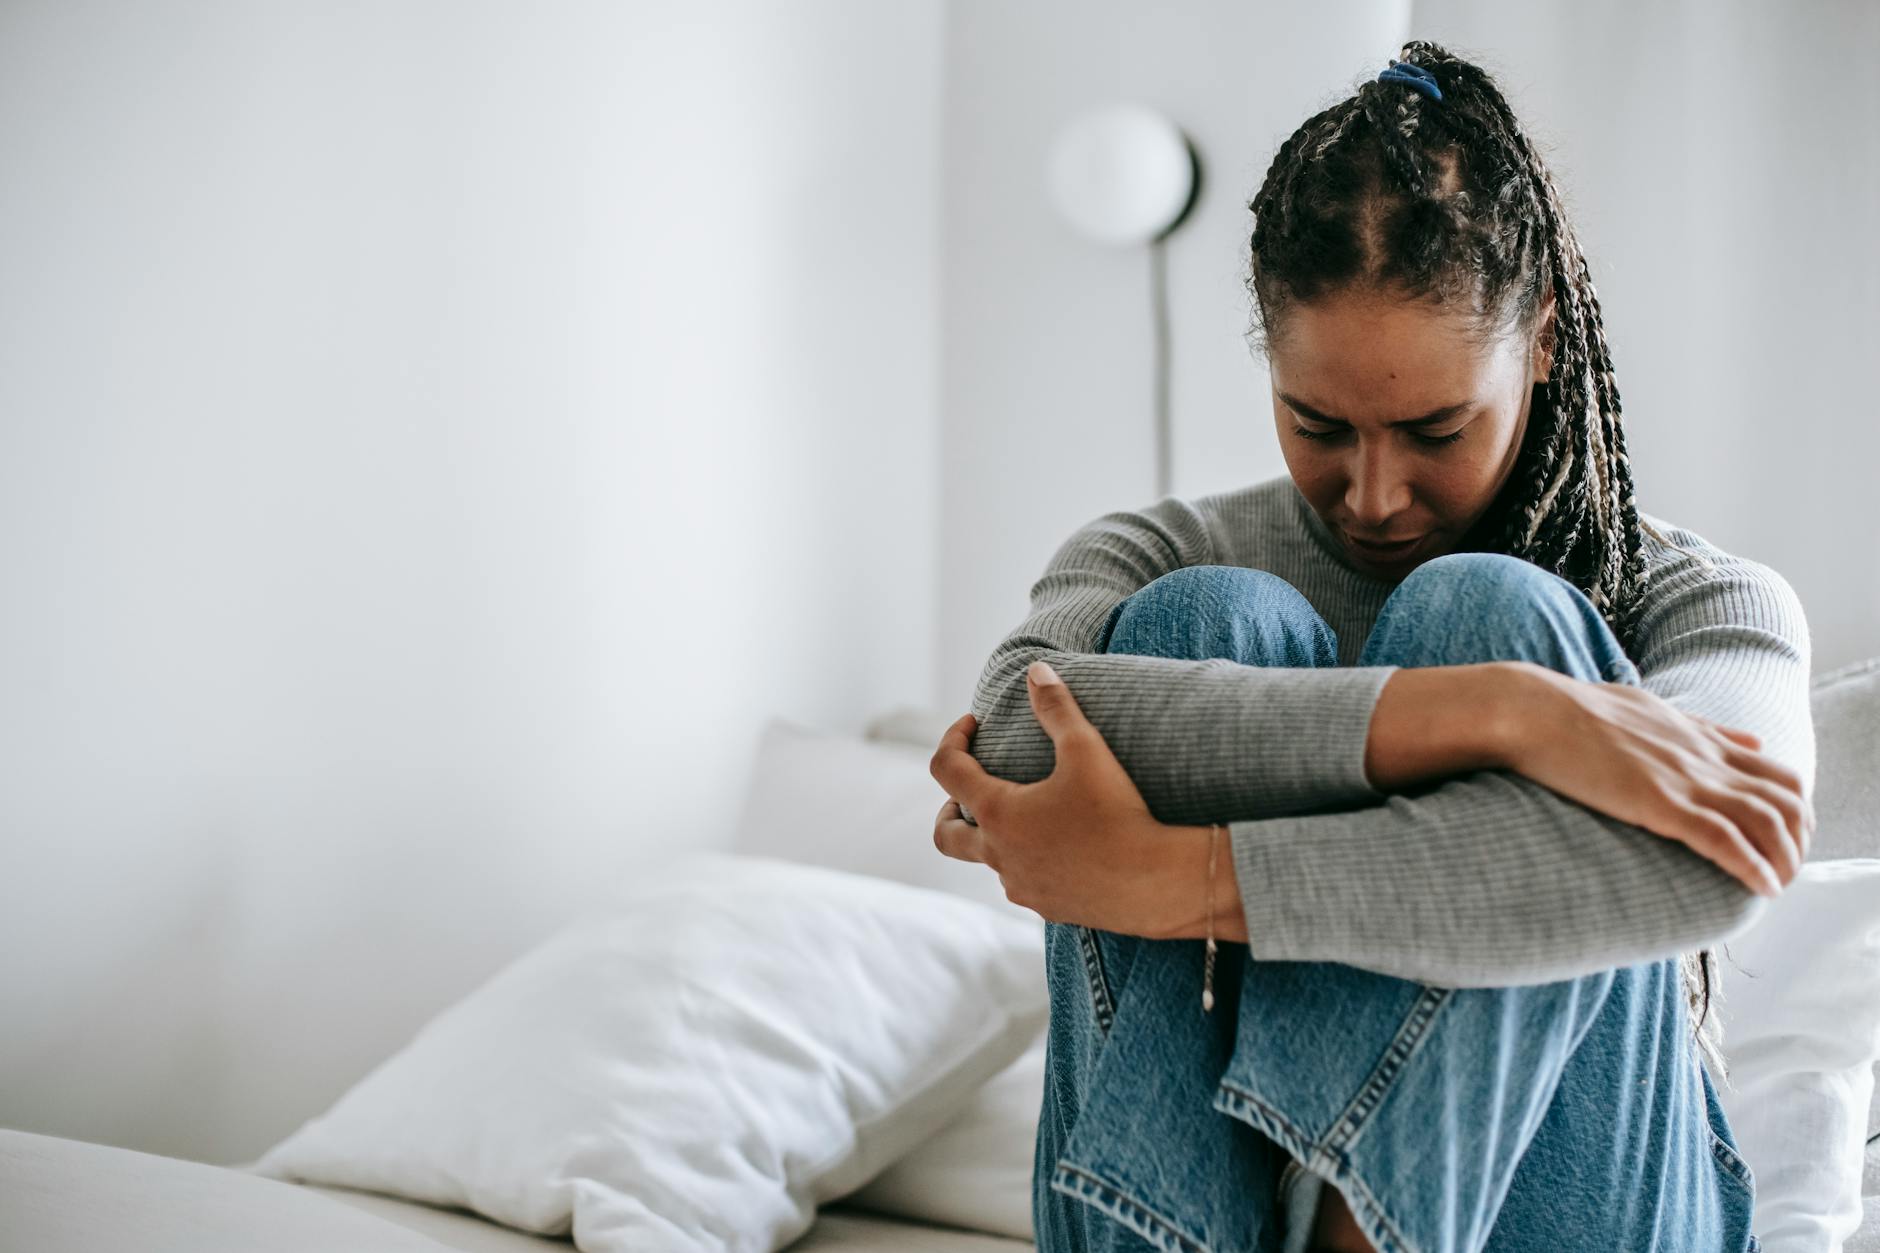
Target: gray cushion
(1867, 1238)
(1846, 705)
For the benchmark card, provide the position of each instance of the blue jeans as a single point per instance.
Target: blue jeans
(1560, 1116)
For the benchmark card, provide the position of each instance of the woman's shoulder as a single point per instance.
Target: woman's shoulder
(1269, 506)
(1184, 530)
(1658, 549)
(1278, 495)
(1689, 576)
(1673, 548)
(1267, 524)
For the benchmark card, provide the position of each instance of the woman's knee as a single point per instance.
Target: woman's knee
(1475, 607)
(1250, 616)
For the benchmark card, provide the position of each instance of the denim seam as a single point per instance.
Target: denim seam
(1333, 1154)
(1107, 1198)
(1730, 1159)
(1100, 1003)
(1727, 1157)
(1329, 1163)
(1403, 1046)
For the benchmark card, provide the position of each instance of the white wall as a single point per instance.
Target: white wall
(433, 436)
(1046, 384)
(1722, 164)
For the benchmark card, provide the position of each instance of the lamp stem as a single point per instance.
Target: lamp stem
(1158, 299)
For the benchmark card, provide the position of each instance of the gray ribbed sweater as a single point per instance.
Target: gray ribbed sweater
(1483, 879)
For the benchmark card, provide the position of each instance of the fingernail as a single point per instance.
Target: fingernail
(1042, 674)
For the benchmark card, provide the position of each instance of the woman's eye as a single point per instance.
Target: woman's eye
(1430, 440)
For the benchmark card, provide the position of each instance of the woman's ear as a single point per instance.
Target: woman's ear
(1544, 341)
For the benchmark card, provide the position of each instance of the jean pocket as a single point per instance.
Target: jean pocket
(1731, 1163)
(1101, 1005)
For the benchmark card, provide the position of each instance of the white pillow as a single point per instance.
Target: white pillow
(976, 1172)
(1799, 1000)
(859, 805)
(730, 1042)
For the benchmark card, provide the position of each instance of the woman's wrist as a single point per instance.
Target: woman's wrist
(1183, 871)
(1431, 722)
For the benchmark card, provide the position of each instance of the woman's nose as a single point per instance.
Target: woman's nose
(1376, 492)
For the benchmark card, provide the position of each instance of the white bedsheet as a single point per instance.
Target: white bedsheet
(70, 1196)
(838, 1229)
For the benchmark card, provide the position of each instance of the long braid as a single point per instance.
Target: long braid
(1447, 199)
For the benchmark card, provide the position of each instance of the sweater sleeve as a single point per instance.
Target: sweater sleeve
(1490, 879)
(1201, 739)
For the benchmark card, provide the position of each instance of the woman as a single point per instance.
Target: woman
(1466, 762)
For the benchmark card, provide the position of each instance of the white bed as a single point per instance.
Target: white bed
(68, 1196)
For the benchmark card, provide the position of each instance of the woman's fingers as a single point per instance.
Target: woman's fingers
(1781, 786)
(1752, 760)
(954, 767)
(1775, 785)
(1766, 827)
(1798, 816)
(1717, 839)
(956, 837)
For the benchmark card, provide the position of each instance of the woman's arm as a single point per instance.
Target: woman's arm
(1431, 722)
(1206, 738)
(1489, 878)
(1200, 738)
(1492, 879)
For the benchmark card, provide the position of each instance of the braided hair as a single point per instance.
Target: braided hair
(1448, 200)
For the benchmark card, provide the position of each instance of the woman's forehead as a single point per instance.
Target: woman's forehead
(1368, 355)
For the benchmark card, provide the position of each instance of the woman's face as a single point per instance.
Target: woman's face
(1346, 367)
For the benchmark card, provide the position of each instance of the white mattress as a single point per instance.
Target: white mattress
(839, 1229)
(69, 1196)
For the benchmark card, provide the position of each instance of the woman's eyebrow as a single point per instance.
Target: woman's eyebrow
(1428, 419)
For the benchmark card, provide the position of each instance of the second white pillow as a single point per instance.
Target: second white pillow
(1800, 1008)
(976, 1172)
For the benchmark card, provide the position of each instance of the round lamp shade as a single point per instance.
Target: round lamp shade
(1122, 175)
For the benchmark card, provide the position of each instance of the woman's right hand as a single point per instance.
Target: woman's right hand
(1621, 750)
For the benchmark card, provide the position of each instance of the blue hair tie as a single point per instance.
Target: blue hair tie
(1412, 76)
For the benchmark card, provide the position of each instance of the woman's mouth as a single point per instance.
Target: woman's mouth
(1383, 552)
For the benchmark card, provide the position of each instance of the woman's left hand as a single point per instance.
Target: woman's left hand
(1079, 846)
